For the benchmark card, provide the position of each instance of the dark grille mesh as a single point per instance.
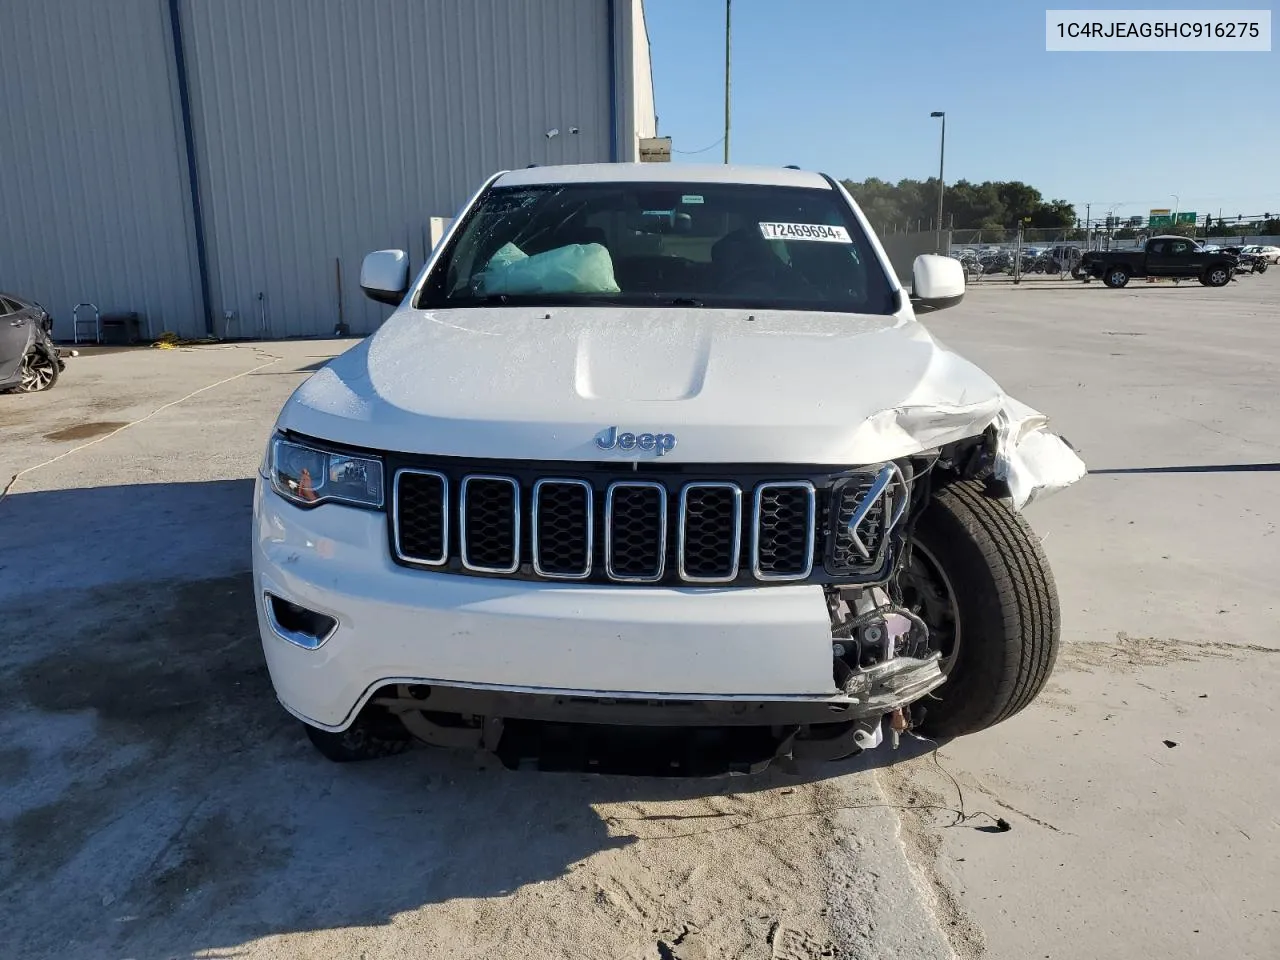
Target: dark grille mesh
(845, 500)
(636, 538)
(784, 530)
(711, 530)
(488, 523)
(562, 529)
(421, 511)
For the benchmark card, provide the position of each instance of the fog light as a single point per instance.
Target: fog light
(297, 624)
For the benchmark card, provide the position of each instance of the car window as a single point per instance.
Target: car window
(1156, 247)
(695, 244)
(8, 306)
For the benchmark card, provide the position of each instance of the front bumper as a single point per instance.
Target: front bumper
(742, 646)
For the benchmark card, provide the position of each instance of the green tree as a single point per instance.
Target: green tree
(1020, 200)
(1055, 213)
(991, 206)
(969, 205)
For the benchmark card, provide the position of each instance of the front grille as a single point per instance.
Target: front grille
(490, 524)
(636, 531)
(663, 524)
(421, 516)
(846, 496)
(783, 534)
(562, 528)
(710, 532)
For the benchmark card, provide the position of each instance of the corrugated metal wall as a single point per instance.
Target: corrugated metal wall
(326, 129)
(93, 197)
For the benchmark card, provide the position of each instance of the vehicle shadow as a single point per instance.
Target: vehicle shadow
(158, 802)
(1198, 468)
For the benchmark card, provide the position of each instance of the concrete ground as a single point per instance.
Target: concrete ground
(157, 803)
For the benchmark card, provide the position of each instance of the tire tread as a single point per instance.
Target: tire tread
(1013, 653)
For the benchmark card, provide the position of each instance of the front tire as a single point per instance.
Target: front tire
(1216, 277)
(370, 737)
(1004, 608)
(1116, 278)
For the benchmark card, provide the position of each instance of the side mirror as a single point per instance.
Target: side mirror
(936, 282)
(384, 276)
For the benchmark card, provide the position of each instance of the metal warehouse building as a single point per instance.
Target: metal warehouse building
(222, 166)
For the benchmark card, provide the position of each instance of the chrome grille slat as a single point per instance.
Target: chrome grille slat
(559, 520)
(782, 530)
(704, 531)
(428, 519)
(846, 497)
(635, 541)
(491, 520)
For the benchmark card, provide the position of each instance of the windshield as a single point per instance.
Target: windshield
(686, 245)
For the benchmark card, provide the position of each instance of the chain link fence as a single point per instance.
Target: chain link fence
(1028, 254)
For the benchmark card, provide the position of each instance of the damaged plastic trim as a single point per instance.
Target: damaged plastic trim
(1029, 460)
(1016, 451)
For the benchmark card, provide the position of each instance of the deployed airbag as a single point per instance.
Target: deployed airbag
(576, 268)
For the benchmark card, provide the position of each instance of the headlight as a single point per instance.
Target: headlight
(308, 476)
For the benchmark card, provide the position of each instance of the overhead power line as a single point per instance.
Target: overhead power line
(689, 153)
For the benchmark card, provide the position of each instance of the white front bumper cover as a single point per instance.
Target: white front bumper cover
(399, 625)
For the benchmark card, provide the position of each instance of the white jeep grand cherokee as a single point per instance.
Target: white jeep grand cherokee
(657, 446)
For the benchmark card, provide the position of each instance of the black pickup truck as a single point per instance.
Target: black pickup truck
(1176, 257)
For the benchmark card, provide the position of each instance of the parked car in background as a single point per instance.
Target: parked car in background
(1168, 256)
(1267, 253)
(1247, 262)
(1061, 258)
(29, 361)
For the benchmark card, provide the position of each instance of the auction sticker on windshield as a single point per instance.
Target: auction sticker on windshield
(805, 231)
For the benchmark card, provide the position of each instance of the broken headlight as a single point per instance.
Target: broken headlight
(309, 476)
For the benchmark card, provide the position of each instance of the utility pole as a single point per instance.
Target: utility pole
(942, 155)
(1087, 208)
(728, 33)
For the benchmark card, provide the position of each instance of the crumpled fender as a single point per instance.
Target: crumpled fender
(1031, 461)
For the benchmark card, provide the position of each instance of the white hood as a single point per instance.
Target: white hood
(541, 383)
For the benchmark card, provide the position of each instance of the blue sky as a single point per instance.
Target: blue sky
(846, 87)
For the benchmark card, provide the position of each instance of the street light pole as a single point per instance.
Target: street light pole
(1175, 211)
(728, 23)
(942, 155)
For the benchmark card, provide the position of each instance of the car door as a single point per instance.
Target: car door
(1158, 258)
(1182, 255)
(14, 322)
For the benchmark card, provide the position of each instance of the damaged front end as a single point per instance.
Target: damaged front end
(895, 637)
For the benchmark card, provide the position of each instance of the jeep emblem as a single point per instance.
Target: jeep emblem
(610, 439)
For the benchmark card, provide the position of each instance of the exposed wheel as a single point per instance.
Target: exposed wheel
(370, 737)
(1216, 277)
(1260, 267)
(39, 372)
(1116, 277)
(1077, 273)
(981, 582)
